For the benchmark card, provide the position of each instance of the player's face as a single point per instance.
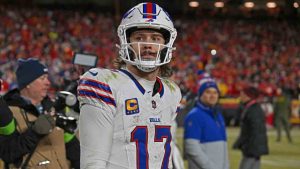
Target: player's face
(39, 87)
(210, 96)
(147, 43)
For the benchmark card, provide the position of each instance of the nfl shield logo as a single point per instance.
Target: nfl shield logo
(153, 104)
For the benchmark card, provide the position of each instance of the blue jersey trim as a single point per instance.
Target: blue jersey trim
(138, 85)
(105, 99)
(95, 84)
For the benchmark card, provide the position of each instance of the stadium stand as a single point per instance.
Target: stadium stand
(235, 51)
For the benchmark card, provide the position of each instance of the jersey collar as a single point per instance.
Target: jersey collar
(158, 86)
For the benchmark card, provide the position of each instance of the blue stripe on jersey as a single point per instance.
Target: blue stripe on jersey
(138, 85)
(162, 91)
(96, 84)
(161, 133)
(93, 94)
(140, 136)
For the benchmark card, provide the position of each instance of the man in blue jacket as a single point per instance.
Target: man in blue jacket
(205, 142)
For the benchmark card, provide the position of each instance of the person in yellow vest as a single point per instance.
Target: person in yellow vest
(29, 137)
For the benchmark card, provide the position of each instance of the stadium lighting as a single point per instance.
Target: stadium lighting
(219, 4)
(249, 4)
(271, 5)
(213, 52)
(194, 4)
(296, 5)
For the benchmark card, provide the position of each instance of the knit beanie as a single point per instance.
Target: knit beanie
(205, 82)
(251, 92)
(28, 70)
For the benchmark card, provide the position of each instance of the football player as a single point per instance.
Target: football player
(126, 114)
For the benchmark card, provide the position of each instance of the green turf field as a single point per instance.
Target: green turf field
(282, 155)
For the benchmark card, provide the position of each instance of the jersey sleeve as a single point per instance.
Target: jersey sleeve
(96, 134)
(175, 95)
(178, 95)
(178, 101)
(97, 110)
(178, 98)
(94, 89)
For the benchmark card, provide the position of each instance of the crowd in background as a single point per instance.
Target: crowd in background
(53, 36)
(262, 52)
(236, 52)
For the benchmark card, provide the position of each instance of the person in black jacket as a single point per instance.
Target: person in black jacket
(28, 135)
(5, 118)
(253, 141)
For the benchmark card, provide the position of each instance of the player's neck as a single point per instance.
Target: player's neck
(151, 76)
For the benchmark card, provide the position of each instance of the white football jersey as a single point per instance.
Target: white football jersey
(141, 118)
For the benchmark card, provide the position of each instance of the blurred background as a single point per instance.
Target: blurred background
(238, 42)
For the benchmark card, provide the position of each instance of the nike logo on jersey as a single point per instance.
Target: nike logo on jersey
(93, 73)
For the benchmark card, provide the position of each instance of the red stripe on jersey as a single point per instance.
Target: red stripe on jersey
(95, 81)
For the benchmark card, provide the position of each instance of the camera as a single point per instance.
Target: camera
(64, 99)
(68, 123)
(67, 98)
(65, 116)
(66, 104)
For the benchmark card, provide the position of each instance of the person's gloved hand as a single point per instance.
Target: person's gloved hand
(44, 124)
(69, 124)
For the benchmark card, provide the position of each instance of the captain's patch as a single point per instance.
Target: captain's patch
(131, 106)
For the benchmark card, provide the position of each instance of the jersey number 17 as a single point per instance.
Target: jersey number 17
(140, 136)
